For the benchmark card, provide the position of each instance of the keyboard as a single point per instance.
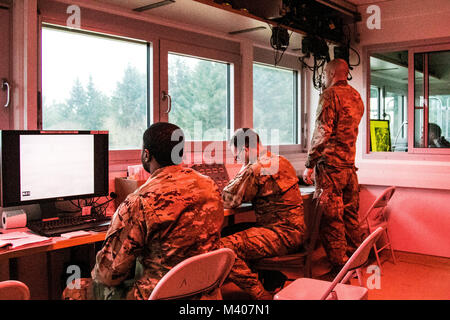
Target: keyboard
(217, 172)
(56, 227)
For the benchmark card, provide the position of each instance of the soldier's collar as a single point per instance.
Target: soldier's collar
(340, 83)
(172, 168)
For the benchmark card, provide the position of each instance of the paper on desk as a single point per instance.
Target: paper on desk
(17, 239)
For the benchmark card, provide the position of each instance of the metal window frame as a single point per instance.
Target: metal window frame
(413, 153)
(107, 36)
(426, 50)
(231, 60)
(298, 113)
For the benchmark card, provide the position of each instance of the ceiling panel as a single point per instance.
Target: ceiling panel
(208, 18)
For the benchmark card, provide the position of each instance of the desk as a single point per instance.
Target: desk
(41, 265)
(44, 259)
(307, 193)
(55, 243)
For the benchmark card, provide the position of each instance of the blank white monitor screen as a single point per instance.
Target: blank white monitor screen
(53, 166)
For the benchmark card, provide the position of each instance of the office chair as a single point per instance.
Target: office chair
(198, 274)
(14, 290)
(375, 217)
(313, 289)
(303, 258)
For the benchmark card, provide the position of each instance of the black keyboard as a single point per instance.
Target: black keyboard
(215, 171)
(56, 227)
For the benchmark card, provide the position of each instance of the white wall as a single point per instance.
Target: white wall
(420, 210)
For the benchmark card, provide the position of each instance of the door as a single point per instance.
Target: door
(5, 66)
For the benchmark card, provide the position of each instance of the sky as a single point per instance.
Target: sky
(66, 55)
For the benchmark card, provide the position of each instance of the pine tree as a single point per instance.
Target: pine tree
(129, 106)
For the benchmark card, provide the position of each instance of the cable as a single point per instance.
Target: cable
(103, 206)
(279, 41)
(359, 58)
(75, 205)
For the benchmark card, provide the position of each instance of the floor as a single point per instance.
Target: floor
(412, 277)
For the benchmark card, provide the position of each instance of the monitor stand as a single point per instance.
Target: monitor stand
(48, 210)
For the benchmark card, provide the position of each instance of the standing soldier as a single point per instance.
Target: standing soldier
(270, 183)
(176, 214)
(332, 154)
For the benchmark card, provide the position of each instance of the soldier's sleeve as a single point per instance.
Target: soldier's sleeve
(243, 188)
(124, 242)
(326, 113)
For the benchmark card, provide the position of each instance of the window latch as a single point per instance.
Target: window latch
(5, 86)
(164, 96)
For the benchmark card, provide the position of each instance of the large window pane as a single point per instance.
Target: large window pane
(432, 99)
(275, 103)
(93, 82)
(388, 101)
(200, 96)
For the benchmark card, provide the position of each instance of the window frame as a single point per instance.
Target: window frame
(195, 149)
(233, 62)
(116, 153)
(435, 154)
(411, 92)
(297, 94)
(118, 158)
(240, 113)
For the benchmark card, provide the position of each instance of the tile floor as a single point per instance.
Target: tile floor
(413, 277)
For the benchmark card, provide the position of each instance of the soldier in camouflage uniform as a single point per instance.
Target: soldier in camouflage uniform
(176, 214)
(270, 183)
(332, 154)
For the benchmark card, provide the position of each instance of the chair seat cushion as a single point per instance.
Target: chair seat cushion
(312, 289)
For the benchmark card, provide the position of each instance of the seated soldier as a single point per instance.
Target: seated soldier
(435, 140)
(268, 181)
(176, 214)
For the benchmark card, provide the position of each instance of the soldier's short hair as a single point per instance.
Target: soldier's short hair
(244, 137)
(434, 129)
(165, 142)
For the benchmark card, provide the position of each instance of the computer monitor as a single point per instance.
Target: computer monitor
(47, 166)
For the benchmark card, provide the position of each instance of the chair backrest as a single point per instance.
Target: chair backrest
(14, 290)
(379, 205)
(358, 258)
(197, 274)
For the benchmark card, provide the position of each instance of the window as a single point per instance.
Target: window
(432, 99)
(200, 97)
(410, 100)
(95, 82)
(275, 104)
(388, 99)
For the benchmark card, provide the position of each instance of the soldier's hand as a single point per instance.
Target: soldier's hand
(307, 174)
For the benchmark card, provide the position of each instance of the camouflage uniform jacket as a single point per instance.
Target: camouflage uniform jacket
(337, 118)
(271, 185)
(176, 214)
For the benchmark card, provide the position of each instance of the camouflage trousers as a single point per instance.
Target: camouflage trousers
(256, 243)
(87, 289)
(339, 227)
